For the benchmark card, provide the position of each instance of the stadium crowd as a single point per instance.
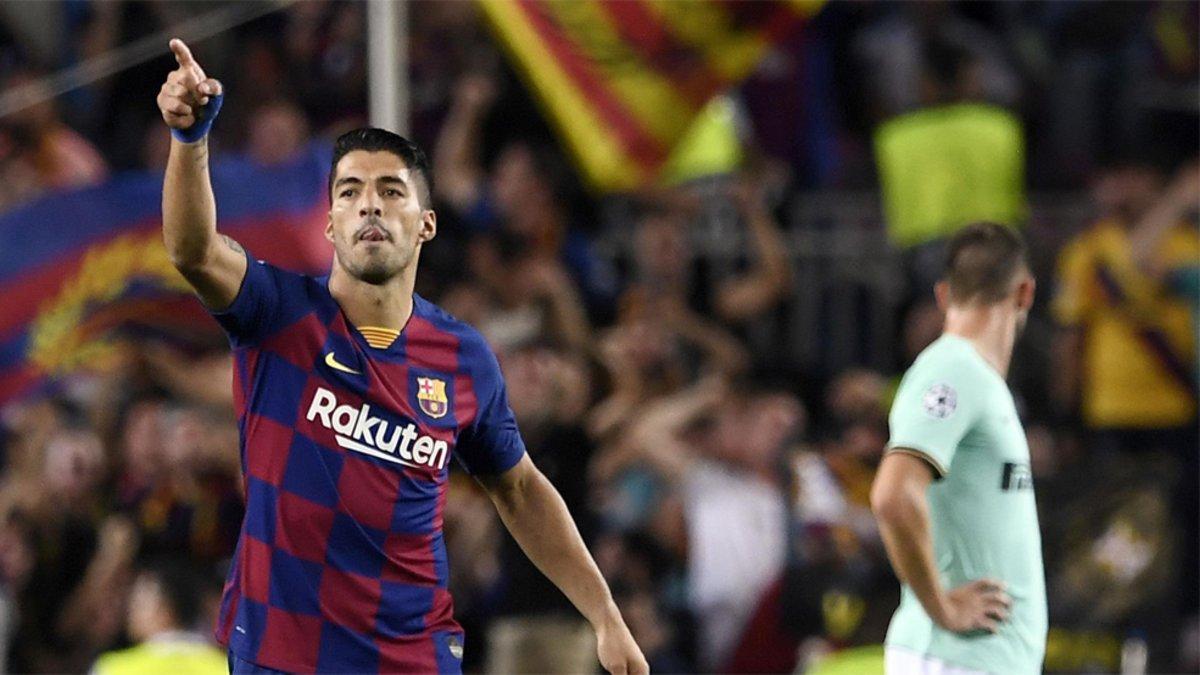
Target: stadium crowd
(722, 484)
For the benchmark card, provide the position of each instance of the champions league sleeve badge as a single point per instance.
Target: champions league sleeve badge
(431, 396)
(940, 401)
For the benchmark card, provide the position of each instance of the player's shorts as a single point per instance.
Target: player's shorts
(898, 661)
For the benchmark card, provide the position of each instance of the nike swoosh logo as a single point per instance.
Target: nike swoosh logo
(332, 363)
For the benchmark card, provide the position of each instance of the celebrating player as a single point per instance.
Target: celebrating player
(954, 494)
(352, 395)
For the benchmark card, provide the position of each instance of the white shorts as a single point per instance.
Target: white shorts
(897, 661)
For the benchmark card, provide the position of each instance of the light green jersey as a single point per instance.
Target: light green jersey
(955, 410)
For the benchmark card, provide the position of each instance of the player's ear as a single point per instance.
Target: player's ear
(941, 292)
(1025, 292)
(329, 227)
(428, 225)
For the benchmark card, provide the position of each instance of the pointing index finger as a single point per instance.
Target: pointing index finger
(183, 56)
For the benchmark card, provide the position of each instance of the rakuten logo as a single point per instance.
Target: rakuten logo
(355, 429)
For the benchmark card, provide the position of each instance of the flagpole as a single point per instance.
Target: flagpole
(387, 64)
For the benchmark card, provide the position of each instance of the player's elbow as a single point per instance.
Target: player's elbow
(889, 504)
(187, 256)
(185, 261)
(511, 490)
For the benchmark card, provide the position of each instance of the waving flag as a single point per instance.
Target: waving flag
(75, 267)
(623, 80)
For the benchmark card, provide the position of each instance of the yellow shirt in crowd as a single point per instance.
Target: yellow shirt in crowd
(175, 653)
(941, 168)
(1139, 347)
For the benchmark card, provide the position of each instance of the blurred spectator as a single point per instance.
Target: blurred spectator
(177, 482)
(658, 346)
(856, 410)
(204, 379)
(324, 57)
(1117, 76)
(472, 533)
(664, 258)
(1128, 349)
(536, 629)
(1113, 559)
(40, 153)
(767, 282)
(278, 130)
(445, 39)
(956, 160)
(165, 603)
(517, 207)
(16, 566)
(894, 61)
(1129, 344)
(733, 506)
(59, 620)
(535, 300)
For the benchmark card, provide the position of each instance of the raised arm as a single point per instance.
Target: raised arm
(213, 264)
(767, 281)
(456, 162)
(1180, 197)
(655, 436)
(898, 498)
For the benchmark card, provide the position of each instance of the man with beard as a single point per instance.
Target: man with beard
(954, 493)
(352, 393)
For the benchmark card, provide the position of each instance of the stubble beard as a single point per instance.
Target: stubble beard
(376, 268)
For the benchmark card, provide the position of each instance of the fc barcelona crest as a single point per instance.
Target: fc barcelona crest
(431, 396)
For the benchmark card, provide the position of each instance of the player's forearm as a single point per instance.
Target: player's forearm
(905, 528)
(189, 209)
(538, 519)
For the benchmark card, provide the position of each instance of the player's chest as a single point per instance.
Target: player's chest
(998, 456)
(406, 411)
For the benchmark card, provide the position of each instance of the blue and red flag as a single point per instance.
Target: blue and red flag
(76, 267)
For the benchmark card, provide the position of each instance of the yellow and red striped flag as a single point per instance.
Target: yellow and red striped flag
(623, 80)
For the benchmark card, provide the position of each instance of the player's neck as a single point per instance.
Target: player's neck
(992, 329)
(387, 305)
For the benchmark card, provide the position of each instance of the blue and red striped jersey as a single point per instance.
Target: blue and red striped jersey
(345, 448)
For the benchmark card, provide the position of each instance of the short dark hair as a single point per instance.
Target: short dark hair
(982, 259)
(182, 585)
(372, 139)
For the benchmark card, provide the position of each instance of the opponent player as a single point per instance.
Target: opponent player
(954, 494)
(353, 393)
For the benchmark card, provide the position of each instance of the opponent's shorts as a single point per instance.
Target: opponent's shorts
(897, 661)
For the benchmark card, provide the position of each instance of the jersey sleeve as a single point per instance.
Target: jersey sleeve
(932, 412)
(258, 309)
(492, 444)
